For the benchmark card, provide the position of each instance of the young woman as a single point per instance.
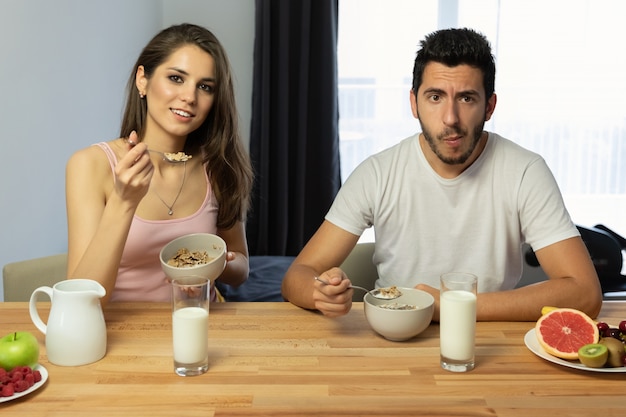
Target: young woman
(178, 167)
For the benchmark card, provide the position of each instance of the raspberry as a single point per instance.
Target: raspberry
(7, 390)
(26, 370)
(16, 376)
(37, 376)
(21, 386)
(30, 378)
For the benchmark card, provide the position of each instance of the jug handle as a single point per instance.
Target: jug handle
(32, 308)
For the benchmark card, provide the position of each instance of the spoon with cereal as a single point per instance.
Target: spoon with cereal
(172, 157)
(388, 293)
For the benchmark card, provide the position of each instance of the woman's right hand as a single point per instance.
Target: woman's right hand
(133, 171)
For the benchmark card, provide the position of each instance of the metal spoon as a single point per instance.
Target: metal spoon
(376, 293)
(174, 158)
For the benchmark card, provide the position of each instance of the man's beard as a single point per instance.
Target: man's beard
(432, 142)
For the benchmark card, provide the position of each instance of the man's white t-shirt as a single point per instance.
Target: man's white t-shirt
(426, 225)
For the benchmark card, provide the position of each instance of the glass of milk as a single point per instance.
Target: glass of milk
(190, 325)
(457, 321)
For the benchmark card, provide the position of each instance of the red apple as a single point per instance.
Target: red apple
(18, 349)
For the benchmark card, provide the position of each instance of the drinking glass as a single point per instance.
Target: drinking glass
(190, 325)
(457, 321)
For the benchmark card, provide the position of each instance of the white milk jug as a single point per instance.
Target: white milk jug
(76, 332)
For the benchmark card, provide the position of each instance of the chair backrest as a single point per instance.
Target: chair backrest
(606, 253)
(360, 268)
(21, 278)
(605, 249)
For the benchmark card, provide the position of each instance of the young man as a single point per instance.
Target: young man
(452, 198)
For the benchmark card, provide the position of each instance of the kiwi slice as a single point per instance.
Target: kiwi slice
(593, 355)
(616, 352)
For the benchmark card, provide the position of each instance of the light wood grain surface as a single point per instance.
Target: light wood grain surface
(274, 359)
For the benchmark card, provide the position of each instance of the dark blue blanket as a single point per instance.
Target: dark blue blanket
(264, 281)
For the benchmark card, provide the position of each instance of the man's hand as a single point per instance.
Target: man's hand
(335, 298)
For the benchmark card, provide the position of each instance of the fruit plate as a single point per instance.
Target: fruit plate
(44, 377)
(530, 339)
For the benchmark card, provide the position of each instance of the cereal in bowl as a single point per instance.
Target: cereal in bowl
(186, 258)
(398, 306)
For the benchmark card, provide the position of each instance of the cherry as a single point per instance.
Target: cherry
(615, 333)
(603, 328)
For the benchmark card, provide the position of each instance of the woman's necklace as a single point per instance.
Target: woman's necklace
(171, 207)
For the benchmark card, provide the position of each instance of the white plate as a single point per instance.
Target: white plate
(44, 377)
(533, 344)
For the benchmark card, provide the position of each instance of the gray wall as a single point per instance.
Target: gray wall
(63, 68)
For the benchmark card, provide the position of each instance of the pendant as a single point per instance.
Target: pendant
(170, 212)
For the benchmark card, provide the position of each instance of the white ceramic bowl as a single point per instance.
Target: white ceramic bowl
(212, 244)
(399, 325)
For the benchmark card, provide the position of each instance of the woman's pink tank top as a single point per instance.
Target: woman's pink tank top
(140, 277)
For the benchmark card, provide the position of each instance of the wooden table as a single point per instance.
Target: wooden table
(275, 359)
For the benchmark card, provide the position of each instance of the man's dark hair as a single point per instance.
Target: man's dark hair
(453, 47)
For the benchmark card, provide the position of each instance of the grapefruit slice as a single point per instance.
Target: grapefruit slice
(562, 331)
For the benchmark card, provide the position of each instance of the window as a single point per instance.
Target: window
(559, 83)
